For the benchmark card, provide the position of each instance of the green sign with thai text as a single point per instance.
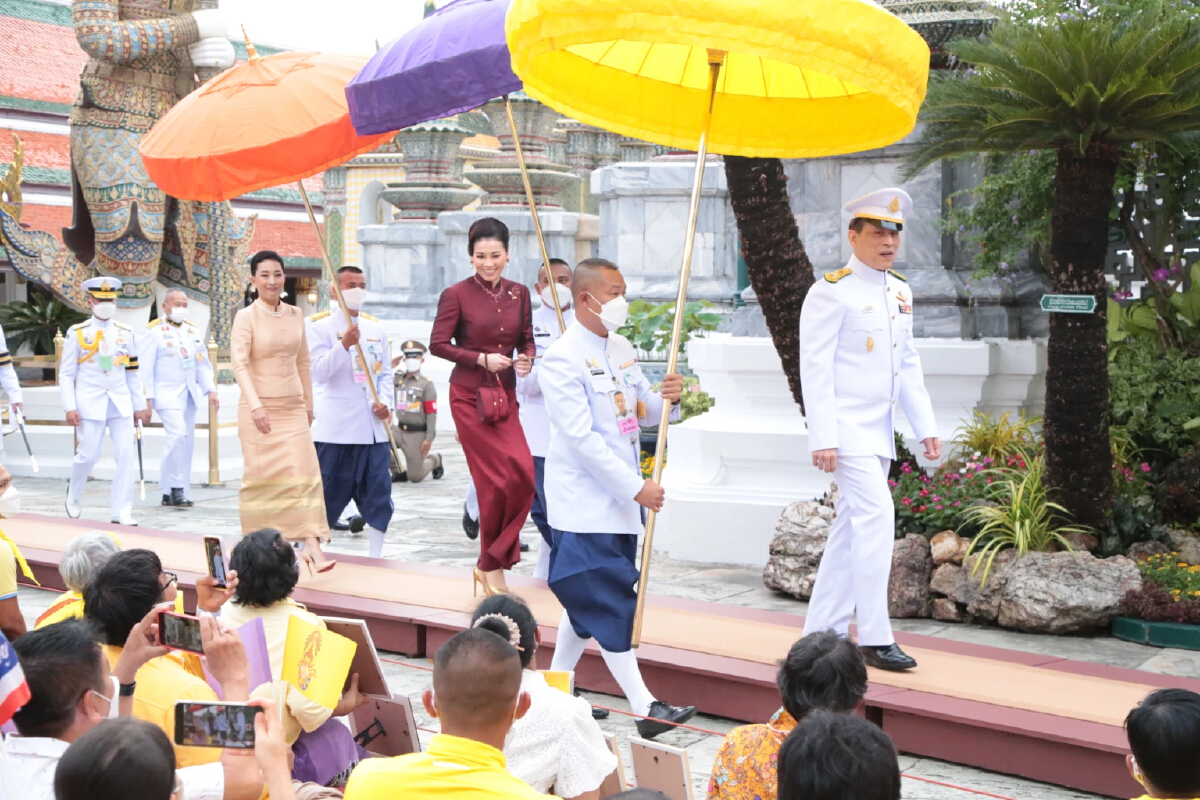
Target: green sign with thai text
(1069, 303)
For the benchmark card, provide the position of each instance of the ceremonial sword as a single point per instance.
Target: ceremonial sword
(141, 467)
(20, 420)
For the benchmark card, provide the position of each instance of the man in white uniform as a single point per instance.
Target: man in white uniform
(98, 380)
(857, 360)
(597, 398)
(534, 419)
(8, 376)
(352, 444)
(176, 376)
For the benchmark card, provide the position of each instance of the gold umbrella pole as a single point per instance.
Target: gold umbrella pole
(341, 301)
(537, 223)
(716, 58)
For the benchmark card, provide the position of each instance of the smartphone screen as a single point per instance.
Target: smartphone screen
(180, 632)
(216, 560)
(215, 724)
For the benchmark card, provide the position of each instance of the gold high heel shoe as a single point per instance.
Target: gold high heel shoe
(479, 579)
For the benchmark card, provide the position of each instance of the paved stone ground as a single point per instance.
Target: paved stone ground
(427, 527)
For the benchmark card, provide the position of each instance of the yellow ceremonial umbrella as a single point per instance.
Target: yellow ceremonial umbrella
(757, 78)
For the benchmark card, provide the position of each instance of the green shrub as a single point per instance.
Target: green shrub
(649, 326)
(1155, 397)
(1180, 579)
(36, 322)
(694, 402)
(985, 436)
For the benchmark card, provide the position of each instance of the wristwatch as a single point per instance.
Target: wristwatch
(126, 689)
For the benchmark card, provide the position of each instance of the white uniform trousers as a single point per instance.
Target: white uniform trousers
(179, 425)
(91, 437)
(853, 576)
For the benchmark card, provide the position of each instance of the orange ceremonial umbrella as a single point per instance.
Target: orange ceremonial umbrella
(272, 120)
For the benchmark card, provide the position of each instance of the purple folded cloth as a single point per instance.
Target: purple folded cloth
(327, 755)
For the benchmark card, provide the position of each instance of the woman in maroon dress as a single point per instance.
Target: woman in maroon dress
(484, 325)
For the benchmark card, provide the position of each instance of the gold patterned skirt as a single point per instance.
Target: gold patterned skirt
(281, 479)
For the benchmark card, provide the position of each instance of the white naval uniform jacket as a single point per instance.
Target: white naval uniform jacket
(343, 398)
(85, 384)
(534, 418)
(173, 363)
(857, 359)
(592, 471)
(8, 375)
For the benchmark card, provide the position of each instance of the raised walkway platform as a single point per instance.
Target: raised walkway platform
(1034, 716)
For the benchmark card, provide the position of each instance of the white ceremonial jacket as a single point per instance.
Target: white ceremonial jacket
(173, 363)
(99, 364)
(534, 418)
(343, 398)
(597, 399)
(857, 359)
(8, 375)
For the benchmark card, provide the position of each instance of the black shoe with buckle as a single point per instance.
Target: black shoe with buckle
(400, 477)
(662, 718)
(339, 526)
(438, 472)
(470, 526)
(178, 500)
(888, 656)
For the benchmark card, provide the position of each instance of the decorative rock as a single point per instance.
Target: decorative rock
(1187, 546)
(953, 581)
(1064, 592)
(1082, 542)
(797, 548)
(908, 584)
(986, 603)
(946, 610)
(948, 546)
(1140, 551)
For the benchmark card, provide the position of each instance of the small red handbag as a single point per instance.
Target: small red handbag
(491, 402)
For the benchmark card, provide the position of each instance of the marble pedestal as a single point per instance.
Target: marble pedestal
(730, 472)
(643, 217)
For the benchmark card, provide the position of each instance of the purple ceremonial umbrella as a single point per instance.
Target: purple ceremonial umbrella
(454, 60)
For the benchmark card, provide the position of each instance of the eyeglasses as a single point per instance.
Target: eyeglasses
(171, 578)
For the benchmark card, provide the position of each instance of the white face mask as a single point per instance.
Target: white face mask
(104, 310)
(412, 364)
(355, 298)
(114, 703)
(564, 296)
(613, 313)
(10, 502)
(178, 314)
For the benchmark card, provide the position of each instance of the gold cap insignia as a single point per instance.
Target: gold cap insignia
(894, 206)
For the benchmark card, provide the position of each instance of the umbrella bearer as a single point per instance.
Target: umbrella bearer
(352, 444)
(176, 376)
(597, 397)
(416, 417)
(99, 383)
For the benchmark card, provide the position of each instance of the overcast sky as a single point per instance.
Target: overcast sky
(342, 26)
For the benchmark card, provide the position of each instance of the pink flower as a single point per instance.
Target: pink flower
(938, 507)
(923, 493)
(988, 460)
(906, 501)
(892, 483)
(919, 509)
(956, 502)
(935, 499)
(1145, 467)
(906, 468)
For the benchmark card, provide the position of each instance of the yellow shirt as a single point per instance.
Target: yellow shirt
(8, 573)
(457, 768)
(69, 605)
(160, 683)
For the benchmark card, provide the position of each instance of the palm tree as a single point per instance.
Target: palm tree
(778, 267)
(1089, 87)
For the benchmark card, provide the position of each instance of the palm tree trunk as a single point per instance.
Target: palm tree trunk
(779, 270)
(1078, 455)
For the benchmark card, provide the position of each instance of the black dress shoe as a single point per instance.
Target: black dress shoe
(663, 718)
(339, 526)
(357, 523)
(470, 526)
(889, 657)
(178, 500)
(400, 477)
(597, 713)
(166, 500)
(524, 547)
(438, 472)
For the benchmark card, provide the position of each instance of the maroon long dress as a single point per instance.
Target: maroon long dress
(474, 318)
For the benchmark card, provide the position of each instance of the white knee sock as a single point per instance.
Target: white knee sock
(376, 542)
(625, 670)
(568, 648)
(542, 568)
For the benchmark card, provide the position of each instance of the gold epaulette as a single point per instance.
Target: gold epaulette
(895, 274)
(368, 316)
(77, 325)
(189, 323)
(834, 277)
(318, 315)
(153, 322)
(122, 325)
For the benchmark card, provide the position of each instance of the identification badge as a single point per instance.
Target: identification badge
(905, 309)
(641, 409)
(360, 377)
(187, 358)
(626, 421)
(106, 363)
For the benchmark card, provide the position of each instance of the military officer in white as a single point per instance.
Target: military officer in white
(98, 380)
(532, 404)
(176, 376)
(8, 381)
(597, 399)
(857, 360)
(352, 444)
